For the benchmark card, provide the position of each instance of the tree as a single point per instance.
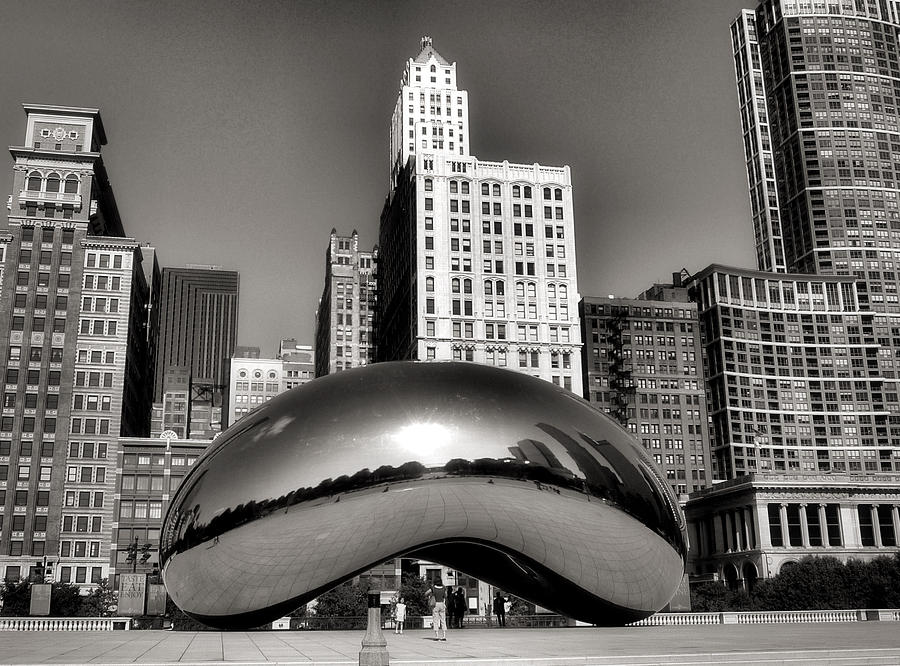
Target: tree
(519, 606)
(414, 590)
(65, 600)
(101, 602)
(16, 597)
(346, 600)
(815, 582)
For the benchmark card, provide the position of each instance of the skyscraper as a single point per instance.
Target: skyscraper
(819, 89)
(346, 307)
(476, 259)
(198, 322)
(73, 350)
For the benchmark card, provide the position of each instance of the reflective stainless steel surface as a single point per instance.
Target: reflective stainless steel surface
(492, 472)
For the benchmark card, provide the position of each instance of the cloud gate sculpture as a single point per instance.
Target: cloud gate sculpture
(492, 472)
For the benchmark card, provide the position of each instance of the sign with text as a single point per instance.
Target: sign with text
(132, 594)
(156, 599)
(40, 599)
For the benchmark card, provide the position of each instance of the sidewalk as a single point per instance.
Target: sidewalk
(838, 643)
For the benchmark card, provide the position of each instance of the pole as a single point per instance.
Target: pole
(374, 646)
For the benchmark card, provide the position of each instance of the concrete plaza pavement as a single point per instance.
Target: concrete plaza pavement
(795, 644)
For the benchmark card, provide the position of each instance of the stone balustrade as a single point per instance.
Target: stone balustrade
(770, 617)
(64, 623)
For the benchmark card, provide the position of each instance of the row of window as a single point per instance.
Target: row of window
(53, 182)
(17, 522)
(26, 448)
(28, 424)
(24, 473)
(40, 301)
(23, 279)
(47, 234)
(102, 282)
(44, 257)
(140, 509)
(494, 189)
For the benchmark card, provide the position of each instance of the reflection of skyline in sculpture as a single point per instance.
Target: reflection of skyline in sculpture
(452, 462)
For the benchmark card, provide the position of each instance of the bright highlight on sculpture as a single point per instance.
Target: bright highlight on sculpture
(506, 477)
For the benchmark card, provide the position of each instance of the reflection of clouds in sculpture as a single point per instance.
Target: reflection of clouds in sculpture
(491, 472)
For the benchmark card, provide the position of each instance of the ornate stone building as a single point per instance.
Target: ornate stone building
(753, 526)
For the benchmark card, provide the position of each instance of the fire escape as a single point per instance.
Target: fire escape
(621, 384)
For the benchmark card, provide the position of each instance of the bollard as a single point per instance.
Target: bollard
(374, 646)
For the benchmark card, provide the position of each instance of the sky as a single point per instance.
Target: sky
(240, 133)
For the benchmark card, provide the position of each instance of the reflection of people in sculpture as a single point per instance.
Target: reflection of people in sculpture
(500, 608)
(399, 616)
(439, 612)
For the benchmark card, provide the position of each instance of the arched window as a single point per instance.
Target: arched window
(433, 68)
(429, 284)
(563, 291)
(517, 191)
(53, 182)
(34, 182)
(532, 290)
(520, 290)
(527, 191)
(546, 193)
(71, 184)
(454, 285)
(467, 286)
(485, 189)
(500, 289)
(551, 290)
(488, 288)
(496, 189)
(557, 194)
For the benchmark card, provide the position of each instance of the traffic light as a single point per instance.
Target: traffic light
(145, 552)
(132, 552)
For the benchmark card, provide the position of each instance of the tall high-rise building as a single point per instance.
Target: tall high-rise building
(819, 89)
(476, 259)
(346, 307)
(198, 330)
(643, 366)
(73, 349)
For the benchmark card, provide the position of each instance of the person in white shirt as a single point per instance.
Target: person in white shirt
(399, 616)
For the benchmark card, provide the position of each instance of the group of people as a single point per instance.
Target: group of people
(449, 606)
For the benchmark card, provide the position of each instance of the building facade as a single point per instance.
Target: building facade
(477, 259)
(344, 318)
(73, 347)
(800, 378)
(258, 380)
(752, 527)
(253, 382)
(299, 362)
(148, 472)
(643, 366)
(198, 324)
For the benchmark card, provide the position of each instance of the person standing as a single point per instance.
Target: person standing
(459, 602)
(451, 608)
(500, 608)
(439, 611)
(399, 616)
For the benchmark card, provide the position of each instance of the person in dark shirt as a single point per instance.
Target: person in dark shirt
(439, 611)
(500, 608)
